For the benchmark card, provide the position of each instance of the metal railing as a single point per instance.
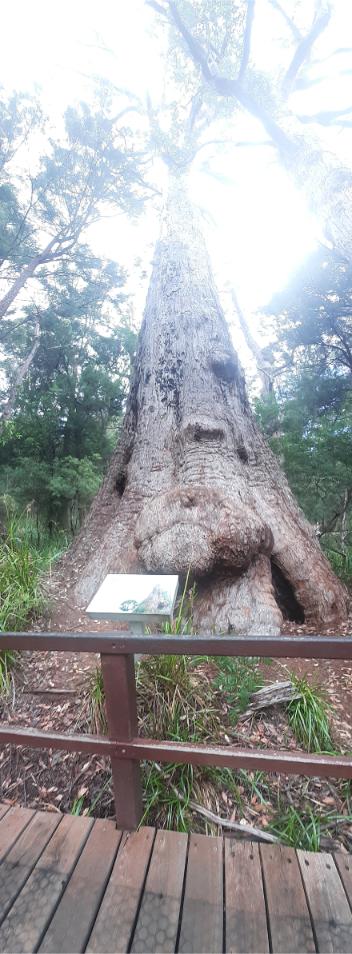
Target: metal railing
(127, 749)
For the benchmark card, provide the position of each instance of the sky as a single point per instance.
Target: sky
(258, 227)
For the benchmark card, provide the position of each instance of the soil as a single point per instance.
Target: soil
(50, 691)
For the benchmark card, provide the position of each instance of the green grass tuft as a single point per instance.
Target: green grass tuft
(298, 831)
(22, 562)
(308, 718)
(237, 679)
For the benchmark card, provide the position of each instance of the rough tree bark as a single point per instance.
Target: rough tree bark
(192, 483)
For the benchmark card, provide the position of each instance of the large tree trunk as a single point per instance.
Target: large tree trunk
(193, 484)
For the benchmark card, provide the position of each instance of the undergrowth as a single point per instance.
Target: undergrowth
(21, 595)
(305, 829)
(309, 719)
(298, 830)
(237, 678)
(200, 699)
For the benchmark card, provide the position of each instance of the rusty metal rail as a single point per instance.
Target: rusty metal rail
(127, 749)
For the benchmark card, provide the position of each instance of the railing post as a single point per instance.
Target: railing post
(121, 709)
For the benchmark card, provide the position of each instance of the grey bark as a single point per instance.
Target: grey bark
(193, 484)
(20, 376)
(25, 274)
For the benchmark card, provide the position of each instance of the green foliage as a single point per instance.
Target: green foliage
(308, 419)
(305, 829)
(297, 830)
(77, 806)
(20, 566)
(63, 400)
(237, 679)
(308, 718)
(95, 707)
(25, 552)
(162, 801)
(182, 624)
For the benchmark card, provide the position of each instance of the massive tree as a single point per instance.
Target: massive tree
(193, 485)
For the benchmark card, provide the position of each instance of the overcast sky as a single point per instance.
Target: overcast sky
(258, 227)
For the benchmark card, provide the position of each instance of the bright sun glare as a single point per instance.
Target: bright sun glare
(258, 227)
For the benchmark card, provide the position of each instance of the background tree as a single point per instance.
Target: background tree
(54, 449)
(308, 419)
(93, 170)
(66, 338)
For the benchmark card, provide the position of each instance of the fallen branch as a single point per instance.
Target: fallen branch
(246, 830)
(49, 692)
(275, 694)
(226, 823)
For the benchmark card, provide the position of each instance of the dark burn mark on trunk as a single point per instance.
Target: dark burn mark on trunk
(225, 367)
(201, 432)
(285, 596)
(243, 453)
(169, 379)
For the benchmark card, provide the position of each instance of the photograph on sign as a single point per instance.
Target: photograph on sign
(134, 596)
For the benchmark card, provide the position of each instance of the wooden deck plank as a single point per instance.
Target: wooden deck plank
(330, 910)
(66, 881)
(12, 824)
(157, 924)
(202, 913)
(21, 859)
(72, 923)
(246, 929)
(344, 867)
(30, 914)
(3, 809)
(289, 919)
(114, 925)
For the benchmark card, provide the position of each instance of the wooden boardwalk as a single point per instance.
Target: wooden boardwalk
(77, 884)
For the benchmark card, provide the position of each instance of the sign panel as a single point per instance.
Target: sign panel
(134, 597)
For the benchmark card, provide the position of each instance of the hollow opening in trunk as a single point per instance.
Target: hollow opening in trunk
(121, 481)
(285, 596)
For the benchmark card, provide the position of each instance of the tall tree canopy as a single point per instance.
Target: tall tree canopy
(209, 37)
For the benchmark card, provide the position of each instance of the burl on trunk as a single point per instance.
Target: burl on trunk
(192, 484)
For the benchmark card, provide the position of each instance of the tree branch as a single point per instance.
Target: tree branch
(326, 117)
(247, 39)
(329, 527)
(230, 87)
(294, 30)
(21, 374)
(264, 368)
(157, 7)
(320, 22)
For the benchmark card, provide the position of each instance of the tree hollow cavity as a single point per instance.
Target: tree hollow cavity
(285, 596)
